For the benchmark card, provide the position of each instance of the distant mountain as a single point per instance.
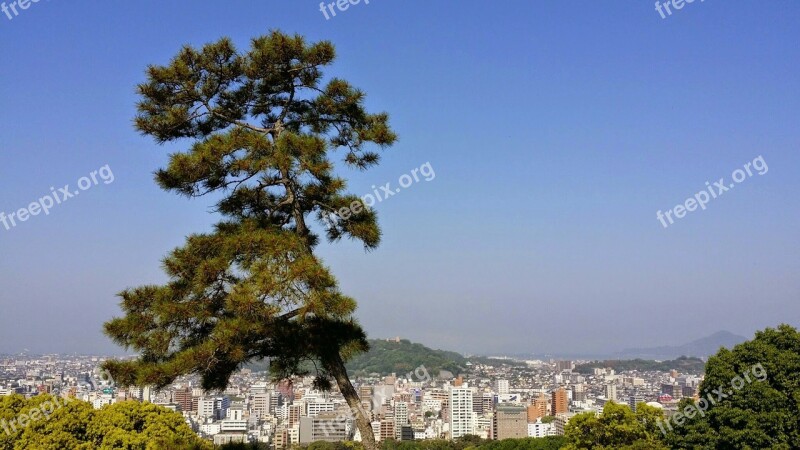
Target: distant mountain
(701, 348)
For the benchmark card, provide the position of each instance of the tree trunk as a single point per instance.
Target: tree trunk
(363, 423)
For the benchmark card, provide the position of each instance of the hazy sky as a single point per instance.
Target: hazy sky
(556, 131)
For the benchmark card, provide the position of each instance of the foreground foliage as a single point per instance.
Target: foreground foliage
(76, 425)
(465, 443)
(617, 427)
(760, 414)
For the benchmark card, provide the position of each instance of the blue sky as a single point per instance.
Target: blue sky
(556, 131)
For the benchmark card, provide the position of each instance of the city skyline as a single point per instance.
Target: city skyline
(496, 401)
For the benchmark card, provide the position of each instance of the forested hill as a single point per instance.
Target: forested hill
(388, 356)
(683, 365)
(385, 357)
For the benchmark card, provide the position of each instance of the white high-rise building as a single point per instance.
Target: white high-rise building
(461, 415)
(205, 407)
(213, 407)
(539, 429)
(501, 386)
(313, 409)
(400, 418)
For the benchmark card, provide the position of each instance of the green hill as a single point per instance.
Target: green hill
(385, 357)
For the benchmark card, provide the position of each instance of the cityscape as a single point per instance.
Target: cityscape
(399, 225)
(505, 400)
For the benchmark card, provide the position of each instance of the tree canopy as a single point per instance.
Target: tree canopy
(755, 393)
(617, 427)
(464, 443)
(76, 425)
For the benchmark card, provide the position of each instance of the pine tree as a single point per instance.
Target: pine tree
(263, 127)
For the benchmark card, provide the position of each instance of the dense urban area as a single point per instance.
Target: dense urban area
(488, 398)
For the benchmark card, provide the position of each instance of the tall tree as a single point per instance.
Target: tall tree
(263, 127)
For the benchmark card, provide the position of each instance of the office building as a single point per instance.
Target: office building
(483, 403)
(324, 427)
(538, 409)
(559, 403)
(560, 423)
(295, 412)
(387, 429)
(261, 404)
(562, 366)
(635, 400)
(578, 393)
(183, 398)
(510, 422)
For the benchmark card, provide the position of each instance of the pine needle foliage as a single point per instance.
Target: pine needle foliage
(263, 130)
